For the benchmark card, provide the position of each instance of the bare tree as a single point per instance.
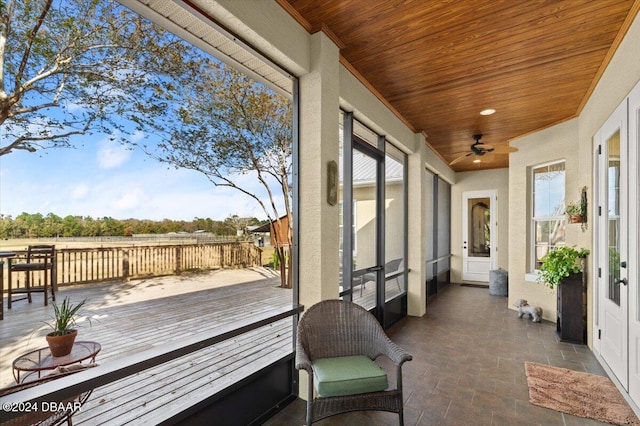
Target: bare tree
(230, 127)
(76, 67)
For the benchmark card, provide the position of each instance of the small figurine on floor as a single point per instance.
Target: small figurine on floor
(525, 309)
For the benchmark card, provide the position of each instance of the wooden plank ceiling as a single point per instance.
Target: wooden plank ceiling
(437, 64)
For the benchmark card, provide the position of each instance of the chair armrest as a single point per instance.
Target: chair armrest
(395, 353)
(302, 359)
(369, 277)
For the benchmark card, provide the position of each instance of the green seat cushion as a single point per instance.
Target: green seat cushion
(348, 375)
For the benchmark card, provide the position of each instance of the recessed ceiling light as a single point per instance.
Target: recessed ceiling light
(477, 160)
(487, 111)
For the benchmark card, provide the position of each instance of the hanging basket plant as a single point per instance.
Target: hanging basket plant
(575, 211)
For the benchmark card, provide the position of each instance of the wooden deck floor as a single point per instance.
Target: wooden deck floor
(129, 318)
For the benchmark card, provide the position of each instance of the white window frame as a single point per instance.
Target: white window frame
(533, 272)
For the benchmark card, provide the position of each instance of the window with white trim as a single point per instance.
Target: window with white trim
(548, 221)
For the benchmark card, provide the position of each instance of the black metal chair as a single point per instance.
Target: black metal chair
(391, 267)
(62, 413)
(38, 258)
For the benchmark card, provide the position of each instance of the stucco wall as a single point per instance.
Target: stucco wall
(497, 179)
(573, 141)
(557, 143)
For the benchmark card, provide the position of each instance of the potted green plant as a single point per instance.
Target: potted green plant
(559, 263)
(63, 336)
(576, 211)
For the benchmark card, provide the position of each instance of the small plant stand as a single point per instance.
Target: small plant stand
(571, 324)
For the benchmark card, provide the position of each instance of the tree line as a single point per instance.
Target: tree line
(76, 68)
(36, 225)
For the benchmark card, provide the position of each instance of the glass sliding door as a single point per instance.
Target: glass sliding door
(431, 245)
(360, 243)
(438, 230)
(443, 244)
(366, 204)
(372, 222)
(395, 253)
(395, 222)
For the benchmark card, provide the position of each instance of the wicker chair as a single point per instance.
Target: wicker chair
(333, 329)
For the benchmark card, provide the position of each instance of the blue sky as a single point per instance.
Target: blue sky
(103, 178)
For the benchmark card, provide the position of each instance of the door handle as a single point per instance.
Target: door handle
(622, 281)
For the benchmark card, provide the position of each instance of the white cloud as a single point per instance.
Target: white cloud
(73, 107)
(112, 154)
(79, 191)
(136, 136)
(67, 182)
(130, 200)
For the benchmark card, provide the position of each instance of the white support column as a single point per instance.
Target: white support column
(416, 291)
(318, 221)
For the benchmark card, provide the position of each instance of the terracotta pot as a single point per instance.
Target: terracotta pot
(61, 345)
(575, 218)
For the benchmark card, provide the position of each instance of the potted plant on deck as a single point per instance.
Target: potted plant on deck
(563, 268)
(63, 336)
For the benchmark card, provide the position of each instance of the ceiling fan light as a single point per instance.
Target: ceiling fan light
(477, 160)
(487, 111)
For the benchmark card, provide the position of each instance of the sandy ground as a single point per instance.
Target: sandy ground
(171, 285)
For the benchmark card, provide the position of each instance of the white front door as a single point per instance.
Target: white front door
(478, 234)
(612, 244)
(634, 255)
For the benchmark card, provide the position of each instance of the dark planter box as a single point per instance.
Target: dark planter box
(571, 324)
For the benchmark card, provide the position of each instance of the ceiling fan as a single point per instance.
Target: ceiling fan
(479, 152)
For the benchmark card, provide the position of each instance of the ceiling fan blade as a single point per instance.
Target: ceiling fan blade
(505, 149)
(459, 159)
(481, 152)
(487, 158)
